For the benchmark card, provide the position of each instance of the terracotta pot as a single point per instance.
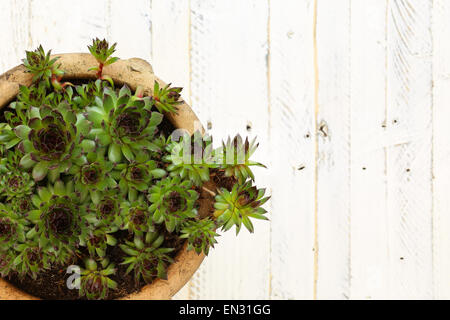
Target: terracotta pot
(132, 72)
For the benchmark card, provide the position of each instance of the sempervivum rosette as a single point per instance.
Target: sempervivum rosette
(136, 216)
(173, 201)
(123, 123)
(59, 219)
(12, 227)
(49, 140)
(94, 282)
(135, 176)
(239, 205)
(31, 259)
(92, 175)
(14, 183)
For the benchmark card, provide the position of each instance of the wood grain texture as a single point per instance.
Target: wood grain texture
(409, 161)
(369, 221)
(333, 121)
(292, 139)
(130, 26)
(68, 28)
(14, 22)
(229, 87)
(441, 149)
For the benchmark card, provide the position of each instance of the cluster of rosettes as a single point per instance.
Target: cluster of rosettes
(80, 163)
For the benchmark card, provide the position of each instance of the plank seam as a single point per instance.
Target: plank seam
(316, 155)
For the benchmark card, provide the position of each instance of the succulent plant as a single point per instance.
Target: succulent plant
(92, 175)
(14, 183)
(86, 94)
(136, 176)
(108, 211)
(58, 218)
(123, 123)
(33, 96)
(235, 160)
(166, 98)
(12, 227)
(8, 138)
(200, 234)
(102, 51)
(95, 283)
(50, 140)
(44, 68)
(146, 258)
(136, 216)
(22, 205)
(187, 158)
(97, 240)
(172, 202)
(239, 205)
(6, 262)
(40, 64)
(31, 259)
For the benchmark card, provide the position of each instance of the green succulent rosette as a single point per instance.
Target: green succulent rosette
(40, 64)
(98, 238)
(124, 123)
(239, 205)
(92, 174)
(108, 211)
(136, 176)
(200, 234)
(190, 158)
(50, 140)
(172, 202)
(235, 160)
(146, 257)
(22, 205)
(94, 282)
(59, 219)
(166, 98)
(16, 183)
(6, 262)
(12, 227)
(136, 216)
(31, 259)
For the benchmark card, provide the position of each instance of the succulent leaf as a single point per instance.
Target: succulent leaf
(94, 282)
(201, 235)
(172, 202)
(146, 258)
(239, 205)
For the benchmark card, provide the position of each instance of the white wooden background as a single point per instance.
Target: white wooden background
(350, 100)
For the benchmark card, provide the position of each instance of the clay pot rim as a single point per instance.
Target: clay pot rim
(132, 72)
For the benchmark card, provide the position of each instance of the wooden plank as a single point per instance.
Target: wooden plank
(369, 222)
(229, 92)
(441, 149)
(171, 54)
(68, 28)
(129, 24)
(14, 23)
(333, 151)
(292, 149)
(409, 162)
(171, 43)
